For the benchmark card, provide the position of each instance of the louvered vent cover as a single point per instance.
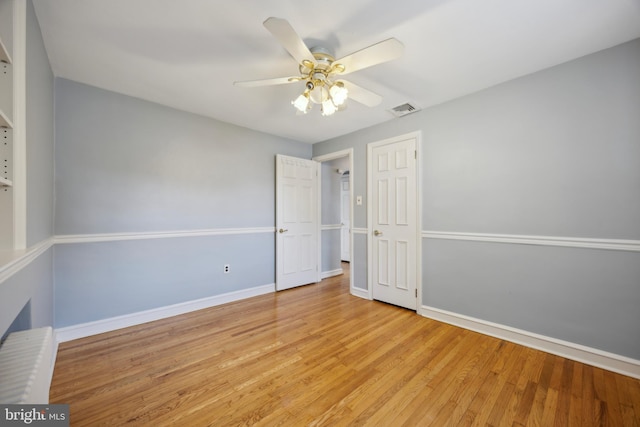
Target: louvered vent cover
(403, 110)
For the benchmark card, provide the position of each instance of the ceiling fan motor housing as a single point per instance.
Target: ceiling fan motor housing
(324, 61)
(319, 69)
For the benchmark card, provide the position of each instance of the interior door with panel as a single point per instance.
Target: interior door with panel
(297, 228)
(394, 214)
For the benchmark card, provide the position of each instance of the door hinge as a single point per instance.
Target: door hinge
(415, 154)
(416, 292)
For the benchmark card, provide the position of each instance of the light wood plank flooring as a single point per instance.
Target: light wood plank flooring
(316, 355)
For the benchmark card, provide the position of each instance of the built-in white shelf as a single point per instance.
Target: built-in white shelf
(4, 121)
(4, 182)
(4, 53)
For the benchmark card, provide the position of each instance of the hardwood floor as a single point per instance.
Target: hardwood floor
(316, 355)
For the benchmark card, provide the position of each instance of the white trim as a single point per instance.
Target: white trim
(359, 230)
(335, 155)
(418, 136)
(331, 273)
(348, 152)
(361, 293)
(22, 259)
(591, 356)
(112, 237)
(82, 330)
(331, 227)
(571, 242)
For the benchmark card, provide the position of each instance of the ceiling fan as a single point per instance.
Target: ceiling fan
(321, 72)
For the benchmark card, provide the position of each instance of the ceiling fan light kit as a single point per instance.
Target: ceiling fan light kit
(319, 89)
(319, 70)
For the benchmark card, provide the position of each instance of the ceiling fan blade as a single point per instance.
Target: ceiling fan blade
(362, 95)
(290, 40)
(268, 82)
(373, 55)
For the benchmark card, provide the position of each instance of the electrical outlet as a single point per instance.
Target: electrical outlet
(227, 267)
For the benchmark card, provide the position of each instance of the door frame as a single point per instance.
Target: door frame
(345, 254)
(325, 158)
(418, 261)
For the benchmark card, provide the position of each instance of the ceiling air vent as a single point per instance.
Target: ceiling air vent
(403, 110)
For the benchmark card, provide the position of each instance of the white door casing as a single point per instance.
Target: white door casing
(328, 157)
(394, 220)
(345, 219)
(297, 226)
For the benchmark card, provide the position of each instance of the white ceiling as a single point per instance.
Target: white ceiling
(187, 54)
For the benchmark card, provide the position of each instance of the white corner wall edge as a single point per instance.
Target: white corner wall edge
(82, 330)
(590, 356)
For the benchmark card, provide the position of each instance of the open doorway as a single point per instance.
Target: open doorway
(335, 212)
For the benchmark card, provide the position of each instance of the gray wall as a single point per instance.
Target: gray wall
(331, 192)
(554, 153)
(33, 285)
(127, 165)
(101, 280)
(39, 135)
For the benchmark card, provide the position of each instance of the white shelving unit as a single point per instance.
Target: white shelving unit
(12, 125)
(4, 54)
(5, 123)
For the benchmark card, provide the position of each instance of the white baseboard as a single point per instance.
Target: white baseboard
(591, 356)
(331, 273)
(362, 293)
(82, 330)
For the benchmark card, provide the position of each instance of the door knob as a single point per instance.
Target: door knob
(377, 233)
(282, 230)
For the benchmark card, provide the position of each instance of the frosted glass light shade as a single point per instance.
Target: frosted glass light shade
(301, 102)
(338, 93)
(328, 108)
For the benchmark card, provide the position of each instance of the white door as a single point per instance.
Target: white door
(394, 221)
(345, 215)
(296, 222)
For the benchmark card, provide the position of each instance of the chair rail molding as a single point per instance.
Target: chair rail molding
(19, 259)
(570, 242)
(112, 237)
